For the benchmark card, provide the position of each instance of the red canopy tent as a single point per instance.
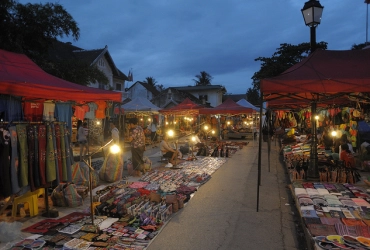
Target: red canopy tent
(323, 75)
(228, 107)
(186, 107)
(20, 76)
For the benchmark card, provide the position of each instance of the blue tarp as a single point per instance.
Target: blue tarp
(364, 131)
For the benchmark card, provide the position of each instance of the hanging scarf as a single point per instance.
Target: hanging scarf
(23, 154)
(36, 170)
(5, 183)
(14, 161)
(63, 152)
(51, 174)
(31, 155)
(69, 155)
(42, 153)
(58, 151)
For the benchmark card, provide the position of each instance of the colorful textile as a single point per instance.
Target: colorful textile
(112, 168)
(49, 110)
(63, 153)
(23, 154)
(42, 153)
(31, 156)
(80, 111)
(59, 151)
(14, 161)
(69, 155)
(33, 111)
(5, 184)
(50, 156)
(100, 112)
(63, 113)
(56, 166)
(36, 157)
(92, 108)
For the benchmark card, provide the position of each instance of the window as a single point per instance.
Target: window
(118, 86)
(101, 63)
(203, 97)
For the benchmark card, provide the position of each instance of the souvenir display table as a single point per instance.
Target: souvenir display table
(126, 214)
(333, 214)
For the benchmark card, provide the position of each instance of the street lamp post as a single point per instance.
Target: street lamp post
(312, 12)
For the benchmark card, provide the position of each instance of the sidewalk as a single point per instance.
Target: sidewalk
(223, 213)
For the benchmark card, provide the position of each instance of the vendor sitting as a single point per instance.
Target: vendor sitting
(197, 142)
(167, 150)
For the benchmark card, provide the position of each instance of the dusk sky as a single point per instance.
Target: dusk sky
(174, 40)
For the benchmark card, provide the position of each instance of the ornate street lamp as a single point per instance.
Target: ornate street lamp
(312, 12)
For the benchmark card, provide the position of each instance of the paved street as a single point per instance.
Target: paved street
(222, 214)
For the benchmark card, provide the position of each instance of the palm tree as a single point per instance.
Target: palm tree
(150, 80)
(203, 79)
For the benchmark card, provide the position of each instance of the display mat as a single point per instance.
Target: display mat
(43, 226)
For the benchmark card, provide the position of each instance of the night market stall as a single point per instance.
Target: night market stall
(324, 81)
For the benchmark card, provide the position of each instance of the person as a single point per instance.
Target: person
(153, 129)
(82, 140)
(114, 132)
(137, 140)
(167, 150)
(197, 142)
(347, 156)
(326, 139)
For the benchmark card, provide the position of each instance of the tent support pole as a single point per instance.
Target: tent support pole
(259, 153)
(313, 170)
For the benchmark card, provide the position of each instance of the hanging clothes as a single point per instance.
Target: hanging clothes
(92, 108)
(36, 157)
(42, 154)
(31, 156)
(69, 154)
(33, 111)
(23, 154)
(14, 160)
(63, 113)
(55, 152)
(80, 111)
(100, 112)
(58, 151)
(50, 155)
(63, 152)
(12, 108)
(5, 183)
(49, 110)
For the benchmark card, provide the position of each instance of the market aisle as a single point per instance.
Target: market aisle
(222, 214)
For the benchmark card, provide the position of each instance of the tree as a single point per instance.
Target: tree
(150, 80)
(253, 96)
(359, 46)
(203, 79)
(33, 29)
(284, 58)
(160, 87)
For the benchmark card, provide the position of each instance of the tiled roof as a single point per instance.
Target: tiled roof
(235, 97)
(201, 87)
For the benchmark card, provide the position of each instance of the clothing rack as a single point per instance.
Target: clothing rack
(47, 213)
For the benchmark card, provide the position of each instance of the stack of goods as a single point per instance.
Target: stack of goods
(334, 209)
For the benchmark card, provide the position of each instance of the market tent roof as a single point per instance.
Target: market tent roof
(321, 75)
(186, 107)
(140, 104)
(245, 103)
(20, 76)
(227, 107)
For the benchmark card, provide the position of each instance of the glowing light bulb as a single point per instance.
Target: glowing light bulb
(170, 133)
(334, 133)
(114, 149)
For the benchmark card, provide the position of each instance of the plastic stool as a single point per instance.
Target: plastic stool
(38, 192)
(31, 199)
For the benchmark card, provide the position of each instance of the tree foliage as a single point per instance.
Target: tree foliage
(32, 29)
(359, 46)
(284, 58)
(150, 80)
(203, 79)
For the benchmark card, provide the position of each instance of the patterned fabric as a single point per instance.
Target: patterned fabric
(58, 151)
(42, 153)
(55, 152)
(31, 156)
(51, 174)
(23, 154)
(5, 184)
(14, 161)
(36, 157)
(69, 156)
(137, 135)
(63, 153)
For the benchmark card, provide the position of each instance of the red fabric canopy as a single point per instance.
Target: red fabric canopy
(227, 107)
(324, 72)
(187, 107)
(20, 76)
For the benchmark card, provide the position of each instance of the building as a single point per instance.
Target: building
(207, 94)
(173, 96)
(142, 89)
(99, 57)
